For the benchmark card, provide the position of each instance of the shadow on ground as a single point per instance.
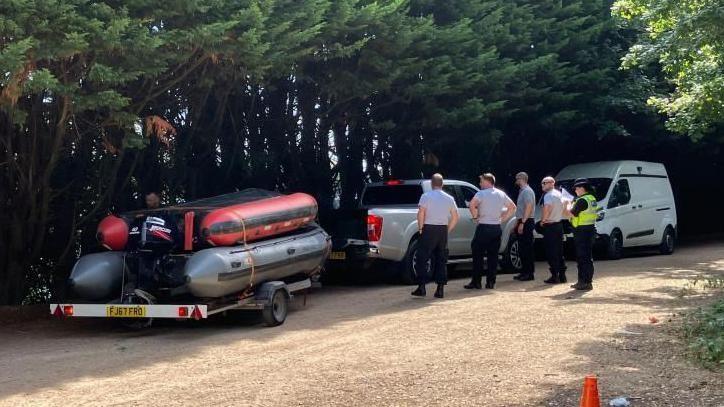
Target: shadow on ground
(51, 351)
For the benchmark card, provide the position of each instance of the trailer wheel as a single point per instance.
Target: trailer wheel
(136, 324)
(275, 313)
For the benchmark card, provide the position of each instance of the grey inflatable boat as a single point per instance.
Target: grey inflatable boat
(207, 273)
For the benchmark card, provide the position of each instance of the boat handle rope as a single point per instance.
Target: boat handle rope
(247, 292)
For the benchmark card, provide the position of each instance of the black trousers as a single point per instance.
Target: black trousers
(486, 243)
(584, 237)
(525, 245)
(553, 240)
(432, 247)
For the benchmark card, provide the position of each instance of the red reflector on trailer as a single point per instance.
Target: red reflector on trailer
(58, 312)
(183, 312)
(196, 314)
(68, 310)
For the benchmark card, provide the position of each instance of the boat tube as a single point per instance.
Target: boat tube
(224, 220)
(208, 273)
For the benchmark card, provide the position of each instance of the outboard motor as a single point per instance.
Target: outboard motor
(151, 239)
(157, 233)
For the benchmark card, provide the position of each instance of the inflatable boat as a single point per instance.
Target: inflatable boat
(225, 220)
(208, 273)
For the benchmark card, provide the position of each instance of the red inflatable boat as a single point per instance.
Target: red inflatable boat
(257, 220)
(225, 220)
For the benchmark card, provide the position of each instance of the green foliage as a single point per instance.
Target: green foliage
(313, 95)
(704, 329)
(685, 38)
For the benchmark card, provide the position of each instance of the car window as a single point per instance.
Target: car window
(621, 194)
(467, 195)
(392, 195)
(454, 191)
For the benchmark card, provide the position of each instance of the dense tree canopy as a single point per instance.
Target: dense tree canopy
(686, 39)
(313, 95)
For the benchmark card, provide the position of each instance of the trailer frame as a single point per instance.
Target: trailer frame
(271, 298)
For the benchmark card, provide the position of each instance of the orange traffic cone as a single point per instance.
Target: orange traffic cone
(590, 398)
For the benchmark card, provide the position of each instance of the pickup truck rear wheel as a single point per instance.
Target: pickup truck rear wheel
(511, 262)
(408, 271)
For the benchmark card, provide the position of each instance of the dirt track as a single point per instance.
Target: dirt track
(521, 344)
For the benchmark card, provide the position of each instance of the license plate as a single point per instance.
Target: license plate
(126, 311)
(337, 256)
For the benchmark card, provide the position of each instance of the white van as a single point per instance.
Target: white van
(637, 201)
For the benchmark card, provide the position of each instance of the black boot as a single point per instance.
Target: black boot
(582, 286)
(552, 280)
(474, 284)
(490, 284)
(440, 293)
(526, 277)
(562, 278)
(420, 292)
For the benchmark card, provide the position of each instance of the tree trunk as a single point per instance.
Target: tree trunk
(406, 155)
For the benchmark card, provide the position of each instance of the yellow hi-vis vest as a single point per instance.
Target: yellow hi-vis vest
(587, 217)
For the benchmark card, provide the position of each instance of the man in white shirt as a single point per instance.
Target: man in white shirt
(436, 217)
(490, 207)
(553, 209)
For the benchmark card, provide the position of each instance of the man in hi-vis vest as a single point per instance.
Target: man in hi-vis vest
(584, 211)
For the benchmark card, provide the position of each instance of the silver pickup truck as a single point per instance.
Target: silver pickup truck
(382, 230)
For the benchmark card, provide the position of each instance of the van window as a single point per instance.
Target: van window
(392, 195)
(600, 186)
(621, 194)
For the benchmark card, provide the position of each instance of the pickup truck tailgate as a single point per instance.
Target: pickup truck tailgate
(348, 228)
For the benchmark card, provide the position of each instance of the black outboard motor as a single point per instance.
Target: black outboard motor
(157, 233)
(151, 238)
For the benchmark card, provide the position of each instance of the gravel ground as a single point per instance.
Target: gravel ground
(523, 344)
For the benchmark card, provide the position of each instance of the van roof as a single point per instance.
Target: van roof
(609, 169)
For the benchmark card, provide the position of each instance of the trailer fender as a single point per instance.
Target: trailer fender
(265, 292)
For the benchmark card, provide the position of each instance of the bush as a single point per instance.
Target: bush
(704, 329)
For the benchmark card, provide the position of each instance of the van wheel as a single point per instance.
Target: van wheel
(408, 271)
(668, 241)
(511, 262)
(614, 250)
